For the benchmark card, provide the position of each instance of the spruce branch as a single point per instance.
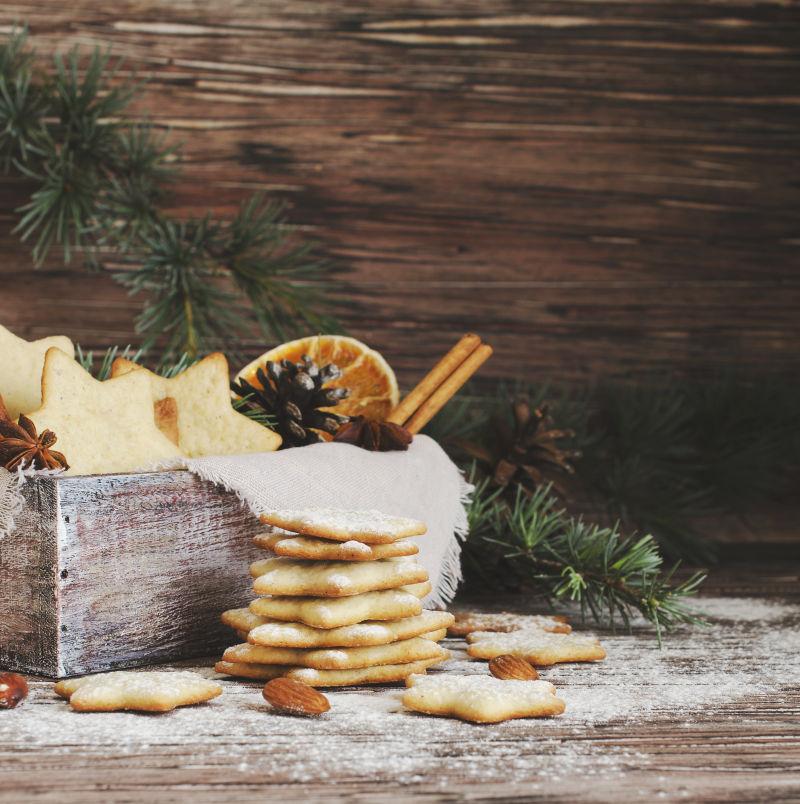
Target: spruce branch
(199, 275)
(607, 574)
(100, 183)
(23, 104)
(76, 154)
(658, 457)
(285, 281)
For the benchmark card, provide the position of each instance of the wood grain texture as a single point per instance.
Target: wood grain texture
(29, 635)
(598, 189)
(113, 571)
(711, 718)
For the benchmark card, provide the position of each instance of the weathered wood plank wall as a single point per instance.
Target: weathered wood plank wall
(599, 188)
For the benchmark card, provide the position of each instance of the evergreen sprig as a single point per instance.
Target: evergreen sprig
(660, 457)
(607, 574)
(100, 182)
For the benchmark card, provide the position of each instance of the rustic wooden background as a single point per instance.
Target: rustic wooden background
(598, 188)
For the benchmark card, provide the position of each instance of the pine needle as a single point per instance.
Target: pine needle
(100, 182)
(609, 575)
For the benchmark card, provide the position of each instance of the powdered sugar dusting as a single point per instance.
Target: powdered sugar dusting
(504, 621)
(338, 522)
(724, 672)
(357, 547)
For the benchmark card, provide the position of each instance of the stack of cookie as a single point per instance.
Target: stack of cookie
(340, 602)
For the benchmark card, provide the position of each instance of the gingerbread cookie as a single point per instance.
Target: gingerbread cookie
(102, 427)
(343, 525)
(383, 674)
(333, 612)
(536, 646)
(258, 672)
(401, 652)
(297, 635)
(202, 416)
(21, 364)
(294, 577)
(308, 547)
(504, 621)
(242, 620)
(154, 691)
(481, 699)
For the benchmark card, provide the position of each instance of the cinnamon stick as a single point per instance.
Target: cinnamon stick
(434, 378)
(445, 392)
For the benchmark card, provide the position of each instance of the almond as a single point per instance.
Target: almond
(294, 697)
(13, 690)
(509, 667)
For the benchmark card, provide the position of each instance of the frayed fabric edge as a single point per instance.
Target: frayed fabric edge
(451, 575)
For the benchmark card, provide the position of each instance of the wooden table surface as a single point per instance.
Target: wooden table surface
(712, 717)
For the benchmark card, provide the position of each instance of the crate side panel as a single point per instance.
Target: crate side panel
(148, 563)
(28, 561)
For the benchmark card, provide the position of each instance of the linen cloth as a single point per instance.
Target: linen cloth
(422, 483)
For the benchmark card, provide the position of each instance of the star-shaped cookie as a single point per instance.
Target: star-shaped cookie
(535, 645)
(102, 427)
(504, 621)
(207, 424)
(155, 691)
(21, 364)
(481, 699)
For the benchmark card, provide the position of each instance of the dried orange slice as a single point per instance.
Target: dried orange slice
(370, 379)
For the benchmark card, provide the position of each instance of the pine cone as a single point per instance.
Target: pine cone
(296, 396)
(526, 451)
(21, 446)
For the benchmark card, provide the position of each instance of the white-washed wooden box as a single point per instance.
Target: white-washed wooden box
(112, 571)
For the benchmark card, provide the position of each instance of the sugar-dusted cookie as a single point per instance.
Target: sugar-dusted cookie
(21, 364)
(297, 635)
(343, 525)
(383, 674)
(481, 699)
(291, 576)
(309, 547)
(536, 646)
(258, 672)
(332, 612)
(418, 589)
(504, 621)
(242, 620)
(407, 650)
(102, 427)
(207, 424)
(155, 691)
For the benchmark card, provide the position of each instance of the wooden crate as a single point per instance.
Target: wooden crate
(112, 571)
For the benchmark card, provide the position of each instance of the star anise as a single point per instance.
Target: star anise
(21, 446)
(374, 435)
